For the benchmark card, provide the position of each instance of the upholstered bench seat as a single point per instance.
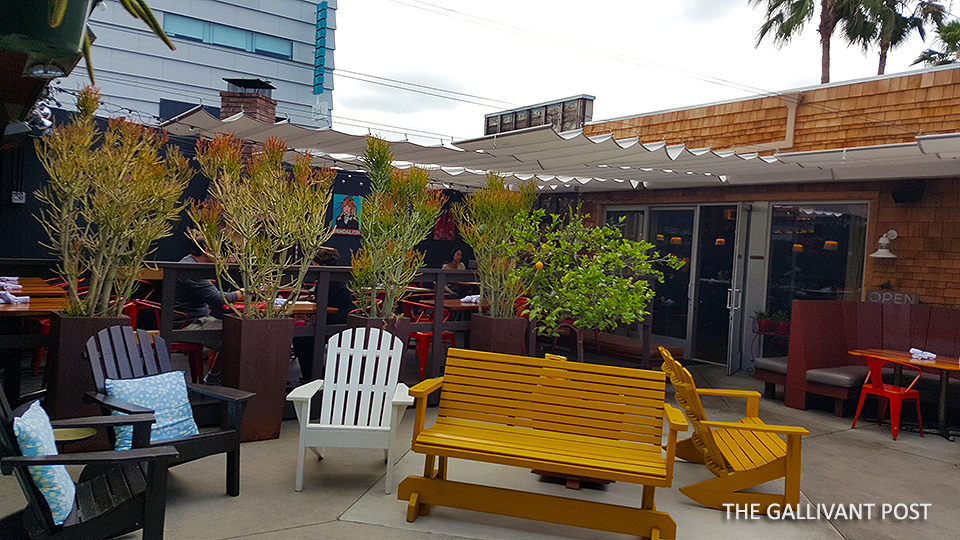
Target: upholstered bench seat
(772, 371)
(842, 376)
(842, 383)
(776, 364)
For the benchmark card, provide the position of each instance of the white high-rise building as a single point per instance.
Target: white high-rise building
(288, 43)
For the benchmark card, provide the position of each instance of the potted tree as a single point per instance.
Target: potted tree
(584, 277)
(486, 220)
(267, 220)
(397, 215)
(111, 196)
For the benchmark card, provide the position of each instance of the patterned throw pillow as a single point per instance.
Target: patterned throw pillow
(35, 437)
(166, 394)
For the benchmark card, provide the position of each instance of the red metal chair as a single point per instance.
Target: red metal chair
(193, 351)
(418, 312)
(874, 385)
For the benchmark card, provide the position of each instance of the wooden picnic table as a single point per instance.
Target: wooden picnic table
(35, 287)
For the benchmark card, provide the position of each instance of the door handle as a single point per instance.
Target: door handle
(737, 298)
(729, 293)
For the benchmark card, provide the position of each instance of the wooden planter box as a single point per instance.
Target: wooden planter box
(399, 327)
(256, 357)
(507, 336)
(68, 374)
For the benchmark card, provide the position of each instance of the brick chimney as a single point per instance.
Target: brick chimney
(250, 96)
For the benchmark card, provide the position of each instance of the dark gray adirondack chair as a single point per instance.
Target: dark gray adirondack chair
(127, 493)
(119, 352)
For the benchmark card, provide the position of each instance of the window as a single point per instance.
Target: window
(226, 36)
(816, 253)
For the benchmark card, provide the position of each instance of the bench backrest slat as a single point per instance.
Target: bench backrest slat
(609, 402)
(363, 366)
(689, 401)
(119, 352)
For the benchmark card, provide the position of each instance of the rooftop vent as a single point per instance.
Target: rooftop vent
(250, 86)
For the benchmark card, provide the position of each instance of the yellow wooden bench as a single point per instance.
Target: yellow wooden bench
(741, 454)
(550, 415)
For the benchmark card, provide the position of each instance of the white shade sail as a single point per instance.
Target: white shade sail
(571, 160)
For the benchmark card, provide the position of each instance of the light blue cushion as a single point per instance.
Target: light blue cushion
(35, 437)
(166, 394)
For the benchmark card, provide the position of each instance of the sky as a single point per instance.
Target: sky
(634, 57)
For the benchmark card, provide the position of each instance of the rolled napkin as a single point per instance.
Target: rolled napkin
(9, 286)
(7, 297)
(9, 279)
(922, 355)
(470, 299)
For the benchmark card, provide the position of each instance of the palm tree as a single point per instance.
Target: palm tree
(894, 20)
(785, 18)
(948, 35)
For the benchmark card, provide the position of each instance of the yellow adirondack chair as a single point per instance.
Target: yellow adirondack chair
(741, 454)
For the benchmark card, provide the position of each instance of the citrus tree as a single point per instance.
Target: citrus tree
(584, 277)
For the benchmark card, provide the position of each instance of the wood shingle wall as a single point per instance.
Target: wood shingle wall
(893, 109)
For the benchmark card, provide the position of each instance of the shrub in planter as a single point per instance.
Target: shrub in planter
(111, 195)
(267, 220)
(486, 221)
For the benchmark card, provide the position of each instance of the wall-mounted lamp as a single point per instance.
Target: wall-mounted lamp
(720, 242)
(675, 240)
(883, 251)
(798, 248)
(659, 238)
(830, 245)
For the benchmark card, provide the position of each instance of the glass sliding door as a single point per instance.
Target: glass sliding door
(671, 232)
(816, 253)
(717, 294)
(630, 223)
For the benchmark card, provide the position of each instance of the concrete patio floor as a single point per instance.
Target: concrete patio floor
(343, 494)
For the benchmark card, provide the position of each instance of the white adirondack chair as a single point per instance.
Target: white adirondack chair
(361, 403)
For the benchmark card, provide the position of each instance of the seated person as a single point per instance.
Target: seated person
(338, 296)
(199, 304)
(455, 262)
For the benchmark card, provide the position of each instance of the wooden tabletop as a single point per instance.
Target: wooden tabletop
(37, 287)
(453, 304)
(301, 307)
(36, 306)
(946, 363)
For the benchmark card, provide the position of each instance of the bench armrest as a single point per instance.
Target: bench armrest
(221, 393)
(118, 405)
(753, 397)
(158, 453)
(763, 428)
(420, 391)
(427, 387)
(402, 396)
(676, 422)
(675, 418)
(305, 392)
(105, 421)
